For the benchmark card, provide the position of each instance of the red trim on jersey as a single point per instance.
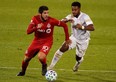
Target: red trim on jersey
(65, 30)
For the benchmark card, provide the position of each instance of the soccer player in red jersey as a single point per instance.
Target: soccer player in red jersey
(42, 25)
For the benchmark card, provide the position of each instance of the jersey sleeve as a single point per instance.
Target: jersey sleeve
(68, 17)
(88, 20)
(32, 26)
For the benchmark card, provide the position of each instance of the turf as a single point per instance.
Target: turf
(99, 62)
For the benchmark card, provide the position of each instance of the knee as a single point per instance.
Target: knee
(41, 56)
(27, 59)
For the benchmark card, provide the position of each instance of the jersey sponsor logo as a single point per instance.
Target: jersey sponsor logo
(48, 26)
(48, 30)
(41, 30)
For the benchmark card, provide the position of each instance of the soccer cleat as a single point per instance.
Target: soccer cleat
(44, 69)
(76, 67)
(21, 73)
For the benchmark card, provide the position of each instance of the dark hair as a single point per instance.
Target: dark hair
(76, 4)
(42, 8)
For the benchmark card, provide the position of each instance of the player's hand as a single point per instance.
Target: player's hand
(64, 20)
(67, 20)
(71, 20)
(68, 42)
(78, 26)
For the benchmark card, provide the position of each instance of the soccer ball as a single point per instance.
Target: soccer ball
(51, 75)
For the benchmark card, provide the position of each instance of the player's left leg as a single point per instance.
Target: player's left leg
(42, 59)
(25, 63)
(43, 54)
(80, 52)
(77, 64)
(29, 54)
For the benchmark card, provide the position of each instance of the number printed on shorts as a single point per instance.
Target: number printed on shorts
(45, 48)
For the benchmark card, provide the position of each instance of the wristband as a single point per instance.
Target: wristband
(83, 28)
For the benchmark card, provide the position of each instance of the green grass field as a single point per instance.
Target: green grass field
(100, 60)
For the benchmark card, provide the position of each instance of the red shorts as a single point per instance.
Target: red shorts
(38, 46)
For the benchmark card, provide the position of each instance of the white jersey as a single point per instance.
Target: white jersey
(84, 20)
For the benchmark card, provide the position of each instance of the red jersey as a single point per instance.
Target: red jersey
(44, 29)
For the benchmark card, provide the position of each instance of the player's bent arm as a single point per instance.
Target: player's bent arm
(89, 27)
(31, 28)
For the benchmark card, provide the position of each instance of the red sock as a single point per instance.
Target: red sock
(24, 66)
(44, 61)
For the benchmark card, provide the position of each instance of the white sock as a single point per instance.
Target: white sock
(55, 59)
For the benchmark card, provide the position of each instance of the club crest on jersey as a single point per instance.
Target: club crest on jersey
(48, 25)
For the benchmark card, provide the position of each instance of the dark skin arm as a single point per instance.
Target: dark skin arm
(66, 20)
(89, 27)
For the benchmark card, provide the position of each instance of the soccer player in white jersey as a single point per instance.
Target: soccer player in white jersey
(81, 25)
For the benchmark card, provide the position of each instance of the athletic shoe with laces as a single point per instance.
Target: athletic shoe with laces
(21, 73)
(44, 69)
(76, 67)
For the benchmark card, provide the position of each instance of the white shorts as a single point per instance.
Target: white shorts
(80, 45)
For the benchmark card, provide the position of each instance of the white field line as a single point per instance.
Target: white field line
(101, 71)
